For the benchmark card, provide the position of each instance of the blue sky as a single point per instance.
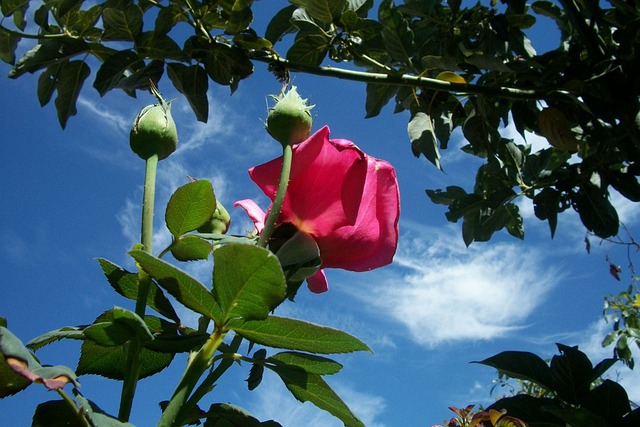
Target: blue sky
(71, 196)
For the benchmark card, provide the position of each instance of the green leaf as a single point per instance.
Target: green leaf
(126, 284)
(226, 65)
(18, 359)
(10, 381)
(227, 415)
(70, 80)
(378, 95)
(312, 388)
(67, 332)
(97, 415)
(122, 24)
(307, 362)
(189, 207)
(54, 413)
(292, 334)
(308, 49)
(187, 290)
(522, 365)
(248, 281)
(8, 44)
(423, 137)
(596, 211)
(158, 46)
(47, 82)
(397, 36)
(114, 69)
(192, 82)
(49, 52)
(110, 362)
(610, 400)
(326, 11)
(280, 24)
(571, 373)
(190, 248)
(240, 18)
(546, 205)
(123, 327)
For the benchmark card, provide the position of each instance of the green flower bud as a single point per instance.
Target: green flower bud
(289, 120)
(219, 223)
(154, 131)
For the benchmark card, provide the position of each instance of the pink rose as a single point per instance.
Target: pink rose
(347, 201)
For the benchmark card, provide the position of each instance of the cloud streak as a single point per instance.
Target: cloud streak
(442, 292)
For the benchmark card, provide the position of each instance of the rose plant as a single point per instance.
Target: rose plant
(333, 207)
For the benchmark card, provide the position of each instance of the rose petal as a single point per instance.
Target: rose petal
(318, 283)
(254, 212)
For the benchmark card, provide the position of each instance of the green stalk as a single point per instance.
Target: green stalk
(82, 420)
(133, 367)
(270, 224)
(200, 362)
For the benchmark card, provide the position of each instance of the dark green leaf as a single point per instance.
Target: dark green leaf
(546, 205)
(169, 16)
(397, 36)
(280, 24)
(47, 82)
(312, 388)
(325, 10)
(140, 79)
(8, 44)
(307, 362)
(423, 137)
(126, 284)
(308, 49)
(295, 334)
(50, 51)
(378, 95)
(248, 281)
(187, 290)
(122, 24)
(227, 415)
(110, 362)
(158, 46)
(609, 400)
(240, 18)
(54, 413)
(226, 65)
(522, 365)
(190, 206)
(114, 69)
(596, 211)
(70, 80)
(10, 381)
(571, 373)
(192, 82)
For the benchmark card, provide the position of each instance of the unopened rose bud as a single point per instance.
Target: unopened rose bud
(154, 131)
(219, 223)
(289, 120)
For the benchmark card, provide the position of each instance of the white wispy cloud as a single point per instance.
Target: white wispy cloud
(443, 292)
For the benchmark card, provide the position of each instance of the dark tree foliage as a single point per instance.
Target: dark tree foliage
(449, 66)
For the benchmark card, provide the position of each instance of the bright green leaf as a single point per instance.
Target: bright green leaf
(295, 334)
(190, 248)
(189, 207)
(248, 281)
(187, 290)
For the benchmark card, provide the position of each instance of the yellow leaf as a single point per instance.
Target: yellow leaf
(450, 76)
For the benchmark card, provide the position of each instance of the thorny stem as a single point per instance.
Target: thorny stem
(274, 212)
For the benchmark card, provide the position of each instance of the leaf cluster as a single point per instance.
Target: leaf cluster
(575, 393)
(248, 283)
